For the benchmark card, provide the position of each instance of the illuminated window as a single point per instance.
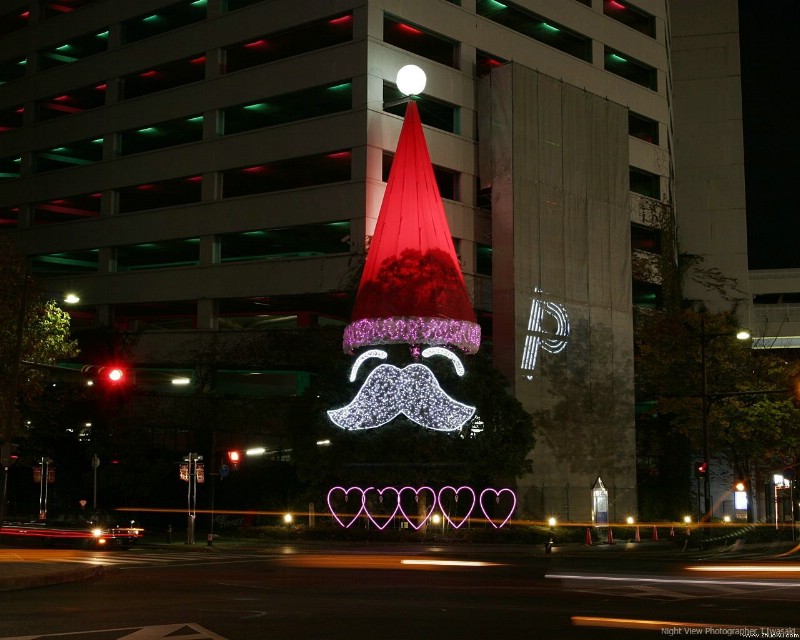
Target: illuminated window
(9, 217)
(72, 154)
(74, 50)
(10, 167)
(623, 65)
(164, 19)
(162, 135)
(485, 62)
(645, 239)
(420, 41)
(645, 183)
(163, 316)
(288, 242)
(164, 76)
(642, 128)
(64, 263)
(284, 312)
(154, 195)
(290, 107)
(287, 174)
(647, 295)
(12, 69)
(11, 118)
(74, 101)
(483, 261)
(14, 21)
(536, 27)
(626, 13)
(158, 255)
(67, 209)
(285, 44)
(58, 7)
(432, 112)
(483, 199)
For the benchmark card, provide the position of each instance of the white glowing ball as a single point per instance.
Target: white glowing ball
(411, 80)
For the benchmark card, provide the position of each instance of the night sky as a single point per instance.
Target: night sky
(770, 75)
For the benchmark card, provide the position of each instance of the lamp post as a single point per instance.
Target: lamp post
(741, 335)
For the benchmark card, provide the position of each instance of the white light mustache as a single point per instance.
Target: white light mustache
(413, 391)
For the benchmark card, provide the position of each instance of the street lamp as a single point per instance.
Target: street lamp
(706, 473)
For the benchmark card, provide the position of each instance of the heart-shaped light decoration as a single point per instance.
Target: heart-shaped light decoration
(497, 493)
(417, 492)
(381, 493)
(457, 522)
(345, 497)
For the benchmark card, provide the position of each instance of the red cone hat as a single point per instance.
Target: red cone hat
(412, 289)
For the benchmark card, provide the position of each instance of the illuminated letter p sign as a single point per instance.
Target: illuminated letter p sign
(537, 337)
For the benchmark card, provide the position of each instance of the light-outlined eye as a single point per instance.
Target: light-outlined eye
(441, 351)
(372, 353)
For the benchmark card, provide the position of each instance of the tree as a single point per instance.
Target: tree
(43, 337)
(752, 412)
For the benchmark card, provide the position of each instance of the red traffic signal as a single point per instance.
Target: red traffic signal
(702, 469)
(114, 375)
(234, 457)
(109, 375)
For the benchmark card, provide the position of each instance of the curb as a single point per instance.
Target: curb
(18, 583)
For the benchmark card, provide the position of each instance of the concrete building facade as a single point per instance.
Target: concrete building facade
(207, 173)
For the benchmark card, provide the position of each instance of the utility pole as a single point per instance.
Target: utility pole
(193, 477)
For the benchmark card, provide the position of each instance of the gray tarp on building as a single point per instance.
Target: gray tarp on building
(556, 158)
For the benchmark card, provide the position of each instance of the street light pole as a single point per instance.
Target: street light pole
(706, 399)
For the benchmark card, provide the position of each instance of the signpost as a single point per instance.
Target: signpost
(192, 471)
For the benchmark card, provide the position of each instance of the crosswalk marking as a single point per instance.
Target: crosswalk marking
(182, 631)
(121, 560)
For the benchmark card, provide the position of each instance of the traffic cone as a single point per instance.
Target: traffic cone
(610, 536)
(655, 533)
(637, 537)
(588, 537)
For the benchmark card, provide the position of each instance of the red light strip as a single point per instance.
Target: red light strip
(409, 29)
(341, 20)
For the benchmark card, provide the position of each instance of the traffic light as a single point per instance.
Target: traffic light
(113, 375)
(701, 469)
(234, 457)
(8, 454)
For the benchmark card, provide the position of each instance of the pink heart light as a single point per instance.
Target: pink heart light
(497, 494)
(380, 493)
(457, 522)
(346, 496)
(416, 492)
